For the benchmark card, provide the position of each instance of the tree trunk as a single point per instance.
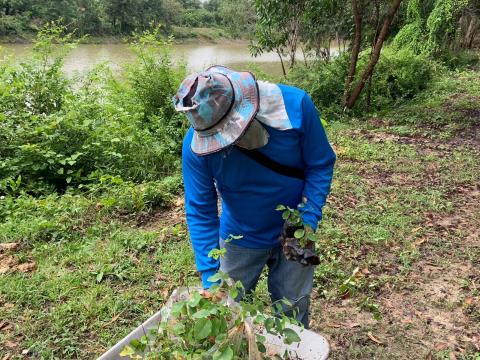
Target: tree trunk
(281, 61)
(374, 41)
(355, 50)
(352, 99)
(471, 30)
(304, 56)
(293, 42)
(472, 39)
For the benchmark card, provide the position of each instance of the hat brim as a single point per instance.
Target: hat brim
(236, 122)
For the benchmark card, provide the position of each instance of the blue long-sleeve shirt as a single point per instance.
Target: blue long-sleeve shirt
(250, 192)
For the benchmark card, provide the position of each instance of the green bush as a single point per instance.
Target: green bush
(399, 75)
(56, 133)
(461, 60)
(197, 18)
(13, 24)
(324, 81)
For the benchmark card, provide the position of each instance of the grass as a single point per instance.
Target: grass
(403, 211)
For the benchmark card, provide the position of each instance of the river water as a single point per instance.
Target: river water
(197, 56)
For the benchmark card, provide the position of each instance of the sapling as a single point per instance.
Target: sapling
(215, 327)
(297, 238)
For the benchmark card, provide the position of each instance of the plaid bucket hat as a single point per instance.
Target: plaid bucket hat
(220, 104)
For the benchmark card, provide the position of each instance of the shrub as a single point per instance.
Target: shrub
(324, 81)
(13, 24)
(197, 18)
(55, 135)
(398, 75)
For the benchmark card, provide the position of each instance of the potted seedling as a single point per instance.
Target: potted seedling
(297, 238)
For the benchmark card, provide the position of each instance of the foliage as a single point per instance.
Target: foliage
(28, 219)
(431, 26)
(399, 76)
(304, 233)
(213, 327)
(55, 135)
(278, 28)
(238, 17)
(115, 17)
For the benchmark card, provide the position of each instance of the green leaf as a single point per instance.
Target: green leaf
(311, 237)
(261, 347)
(177, 308)
(195, 300)
(179, 328)
(100, 276)
(202, 328)
(223, 354)
(300, 233)
(139, 344)
(269, 324)
(216, 277)
(280, 208)
(286, 215)
(200, 314)
(290, 336)
(233, 293)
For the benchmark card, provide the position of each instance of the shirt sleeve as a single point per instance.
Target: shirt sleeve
(319, 160)
(201, 210)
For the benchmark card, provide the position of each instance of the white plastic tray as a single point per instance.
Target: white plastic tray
(311, 347)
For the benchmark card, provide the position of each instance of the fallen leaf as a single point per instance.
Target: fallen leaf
(10, 344)
(27, 267)
(179, 202)
(8, 306)
(6, 357)
(419, 241)
(339, 150)
(5, 326)
(365, 271)
(9, 246)
(160, 277)
(374, 339)
(7, 263)
(440, 346)
(406, 321)
(334, 325)
(115, 318)
(351, 325)
(469, 301)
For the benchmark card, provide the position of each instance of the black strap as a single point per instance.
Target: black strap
(272, 164)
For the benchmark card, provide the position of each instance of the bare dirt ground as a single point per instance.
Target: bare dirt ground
(432, 310)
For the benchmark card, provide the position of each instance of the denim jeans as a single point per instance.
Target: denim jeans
(286, 279)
